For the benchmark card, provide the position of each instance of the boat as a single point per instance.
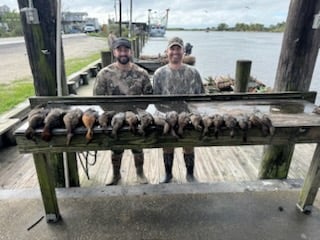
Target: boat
(157, 23)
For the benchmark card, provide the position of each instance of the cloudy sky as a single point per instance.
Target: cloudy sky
(183, 13)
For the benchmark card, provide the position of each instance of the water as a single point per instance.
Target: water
(217, 52)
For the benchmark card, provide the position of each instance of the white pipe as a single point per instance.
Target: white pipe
(59, 84)
(130, 21)
(58, 48)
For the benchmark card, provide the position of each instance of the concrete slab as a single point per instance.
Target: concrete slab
(173, 211)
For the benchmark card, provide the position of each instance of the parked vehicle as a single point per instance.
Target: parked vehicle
(89, 28)
(92, 25)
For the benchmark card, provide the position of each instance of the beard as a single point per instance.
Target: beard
(123, 59)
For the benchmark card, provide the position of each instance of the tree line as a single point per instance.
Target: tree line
(241, 27)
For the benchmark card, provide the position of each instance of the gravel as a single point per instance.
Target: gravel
(15, 62)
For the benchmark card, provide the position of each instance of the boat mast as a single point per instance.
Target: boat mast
(167, 16)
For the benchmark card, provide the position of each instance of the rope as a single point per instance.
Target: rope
(85, 161)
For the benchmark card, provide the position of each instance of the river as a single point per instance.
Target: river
(217, 52)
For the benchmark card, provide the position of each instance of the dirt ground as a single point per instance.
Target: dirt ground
(15, 62)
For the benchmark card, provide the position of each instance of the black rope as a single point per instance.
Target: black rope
(84, 161)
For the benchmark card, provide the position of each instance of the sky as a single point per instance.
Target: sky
(183, 13)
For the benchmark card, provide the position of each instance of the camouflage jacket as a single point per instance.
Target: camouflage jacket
(113, 81)
(185, 80)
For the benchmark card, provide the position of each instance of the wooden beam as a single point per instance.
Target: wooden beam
(295, 68)
(311, 184)
(149, 99)
(40, 39)
(47, 187)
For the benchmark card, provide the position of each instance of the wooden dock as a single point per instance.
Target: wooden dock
(213, 164)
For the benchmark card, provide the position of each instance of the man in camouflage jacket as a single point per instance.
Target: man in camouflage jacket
(123, 78)
(177, 78)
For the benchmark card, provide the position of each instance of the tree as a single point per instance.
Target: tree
(223, 27)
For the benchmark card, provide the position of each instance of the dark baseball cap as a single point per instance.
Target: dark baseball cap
(121, 42)
(175, 41)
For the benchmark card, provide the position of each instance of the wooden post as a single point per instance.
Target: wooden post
(106, 58)
(47, 187)
(138, 47)
(57, 164)
(133, 47)
(73, 170)
(40, 39)
(311, 184)
(295, 68)
(242, 75)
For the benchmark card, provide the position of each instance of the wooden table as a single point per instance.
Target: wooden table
(291, 115)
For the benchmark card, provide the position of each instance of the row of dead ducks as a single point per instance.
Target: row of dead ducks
(173, 123)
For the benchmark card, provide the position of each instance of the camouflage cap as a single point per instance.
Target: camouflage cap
(121, 42)
(175, 41)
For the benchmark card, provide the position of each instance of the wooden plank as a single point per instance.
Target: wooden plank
(311, 184)
(155, 139)
(7, 124)
(96, 100)
(73, 170)
(47, 187)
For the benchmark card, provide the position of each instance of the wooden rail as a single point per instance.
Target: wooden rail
(291, 115)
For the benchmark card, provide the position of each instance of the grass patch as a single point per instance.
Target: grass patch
(14, 93)
(74, 65)
(19, 90)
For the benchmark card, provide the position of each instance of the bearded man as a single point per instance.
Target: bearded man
(123, 77)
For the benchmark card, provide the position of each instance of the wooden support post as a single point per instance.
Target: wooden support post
(138, 47)
(133, 47)
(40, 39)
(46, 182)
(106, 58)
(276, 161)
(72, 87)
(93, 71)
(294, 73)
(311, 184)
(57, 164)
(143, 39)
(242, 75)
(73, 170)
(84, 78)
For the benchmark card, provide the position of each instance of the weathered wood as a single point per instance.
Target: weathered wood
(276, 159)
(311, 184)
(272, 98)
(138, 49)
(290, 128)
(84, 78)
(17, 170)
(46, 182)
(73, 169)
(299, 49)
(40, 42)
(154, 139)
(106, 58)
(276, 162)
(295, 68)
(302, 127)
(243, 68)
(56, 161)
(134, 47)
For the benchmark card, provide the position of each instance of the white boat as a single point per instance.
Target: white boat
(157, 23)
